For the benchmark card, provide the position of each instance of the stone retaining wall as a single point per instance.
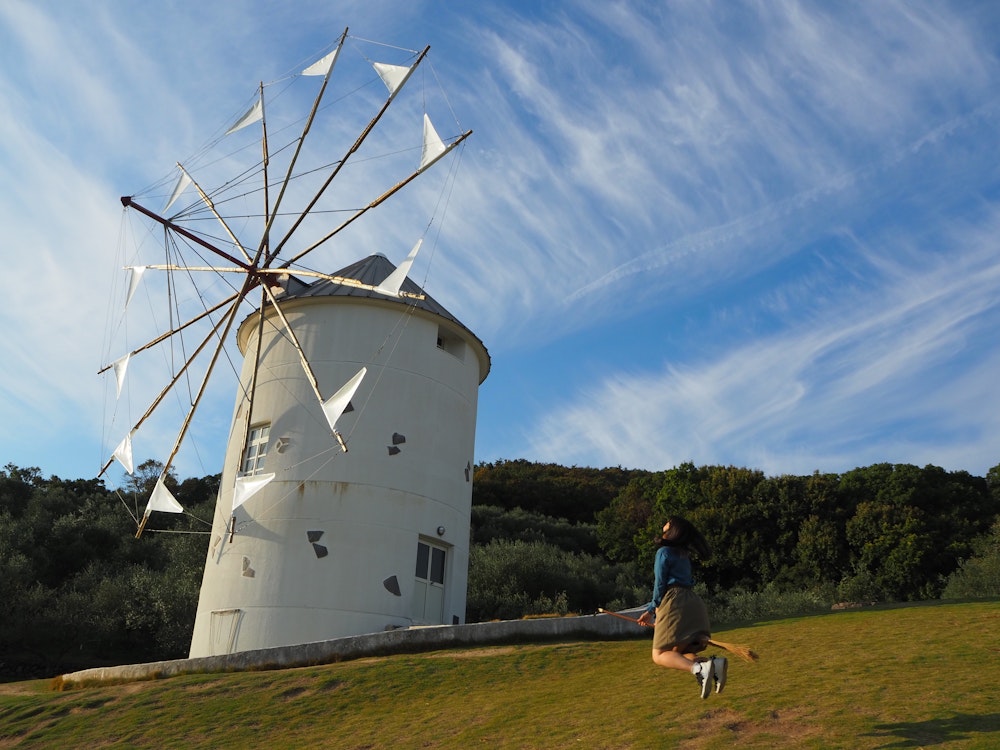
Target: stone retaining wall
(409, 640)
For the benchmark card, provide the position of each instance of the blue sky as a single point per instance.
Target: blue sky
(759, 234)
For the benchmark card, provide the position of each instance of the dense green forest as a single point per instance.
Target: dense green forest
(78, 589)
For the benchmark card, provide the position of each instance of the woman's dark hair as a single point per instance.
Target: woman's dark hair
(682, 533)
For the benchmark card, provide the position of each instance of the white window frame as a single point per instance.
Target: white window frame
(255, 451)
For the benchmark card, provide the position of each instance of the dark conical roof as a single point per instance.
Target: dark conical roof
(372, 271)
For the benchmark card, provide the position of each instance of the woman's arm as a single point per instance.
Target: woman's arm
(660, 576)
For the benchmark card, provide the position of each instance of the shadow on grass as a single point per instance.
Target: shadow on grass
(938, 731)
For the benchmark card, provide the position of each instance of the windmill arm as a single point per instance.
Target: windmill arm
(291, 165)
(374, 204)
(171, 332)
(166, 389)
(310, 375)
(211, 207)
(129, 203)
(228, 320)
(354, 147)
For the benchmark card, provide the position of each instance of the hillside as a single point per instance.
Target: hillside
(905, 676)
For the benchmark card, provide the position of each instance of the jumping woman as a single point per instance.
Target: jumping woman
(682, 629)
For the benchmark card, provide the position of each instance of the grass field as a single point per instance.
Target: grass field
(916, 676)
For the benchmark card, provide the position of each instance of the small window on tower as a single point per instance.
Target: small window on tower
(256, 450)
(451, 343)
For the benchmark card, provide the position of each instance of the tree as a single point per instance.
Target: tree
(573, 493)
(78, 588)
(911, 526)
(490, 522)
(979, 576)
(993, 484)
(143, 480)
(510, 579)
(628, 514)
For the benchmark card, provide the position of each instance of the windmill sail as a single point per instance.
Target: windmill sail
(434, 147)
(252, 115)
(124, 453)
(336, 405)
(161, 500)
(120, 365)
(182, 182)
(247, 487)
(393, 283)
(322, 66)
(133, 283)
(393, 76)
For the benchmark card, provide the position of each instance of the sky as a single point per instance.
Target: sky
(761, 234)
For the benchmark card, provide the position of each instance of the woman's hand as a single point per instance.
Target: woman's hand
(646, 618)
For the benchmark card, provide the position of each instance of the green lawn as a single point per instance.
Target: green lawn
(894, 677)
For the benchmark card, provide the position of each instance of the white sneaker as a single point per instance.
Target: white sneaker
(704, 671)
(720, 664)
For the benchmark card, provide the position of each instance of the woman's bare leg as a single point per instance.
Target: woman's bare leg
(673, 659)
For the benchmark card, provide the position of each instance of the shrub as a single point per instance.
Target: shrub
(979, 576)
(742, 606)
(509, 579)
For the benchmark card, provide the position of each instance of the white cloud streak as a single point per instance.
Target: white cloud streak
(816, 395)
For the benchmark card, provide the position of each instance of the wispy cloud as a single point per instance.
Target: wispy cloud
(818, 393)
(727, 135)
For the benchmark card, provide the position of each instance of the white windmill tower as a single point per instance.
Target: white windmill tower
(346, 491)
(379, 537)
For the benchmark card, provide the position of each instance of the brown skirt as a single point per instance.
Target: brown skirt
(681, 620)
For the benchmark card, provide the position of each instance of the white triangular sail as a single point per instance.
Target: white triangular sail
(182, 183)
(255, 113)
(322, 66)
(121, 365)
(393, 76)
(434, 147)
(162, 500)
(124, 453)
(247, 487)
(394, 281)
(133, 281)
(334, 406)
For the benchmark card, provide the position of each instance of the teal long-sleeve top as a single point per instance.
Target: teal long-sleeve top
(672, 567)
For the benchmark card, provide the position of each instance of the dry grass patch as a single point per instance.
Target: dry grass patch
(776, 729)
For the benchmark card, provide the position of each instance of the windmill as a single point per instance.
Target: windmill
(346, 487)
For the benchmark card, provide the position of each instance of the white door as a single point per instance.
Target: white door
(222, 631)
(428, 591)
